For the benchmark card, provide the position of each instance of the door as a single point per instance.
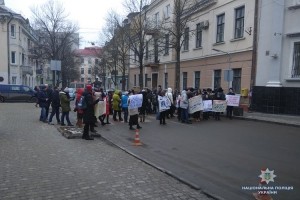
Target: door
(154, 80)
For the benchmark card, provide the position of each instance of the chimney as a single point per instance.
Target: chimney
(2, 2)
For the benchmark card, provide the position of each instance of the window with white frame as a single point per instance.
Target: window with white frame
(167, 43)
(198, 36)
(135, 80)
(147, 50)
(156, 19)
(13, 30)
(166, 80)
(14, 80)
(167, 11)
(296, 61)
(89, 70)
(186, 39)
(82, 80)
(81, 70)
(184, 80)
(217, 78)
(146, 80)
(239, 22)
(220, 28)
(13, 57)
(197, 79)
(236, 82)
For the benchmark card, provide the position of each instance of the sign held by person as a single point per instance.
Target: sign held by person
(219, 106)
(135, 101)
(163, 103)
(233, 100)
(207, 105)
(195, 104)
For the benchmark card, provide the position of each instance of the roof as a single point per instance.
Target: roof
(89, 51)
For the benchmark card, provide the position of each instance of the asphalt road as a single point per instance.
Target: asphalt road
(218, 157)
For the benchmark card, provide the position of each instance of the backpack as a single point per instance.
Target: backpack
(82, 103)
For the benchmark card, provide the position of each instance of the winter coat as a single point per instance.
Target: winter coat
(89, 113)
(42, 97)
(184, 103)
(116, 101)
(170, 95)
(55, 99)
(79, 93)
(64, 102)
(124, 101)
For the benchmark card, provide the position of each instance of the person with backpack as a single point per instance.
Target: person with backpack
(89, 113)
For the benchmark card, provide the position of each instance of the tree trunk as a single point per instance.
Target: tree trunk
(177, 70)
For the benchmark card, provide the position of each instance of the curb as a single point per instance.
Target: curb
(266, 121)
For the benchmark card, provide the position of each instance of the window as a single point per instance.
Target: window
(198, 36)
(184, 80)
(217, 78)
(13, 30)
(220, 28)
(186, 39)
(89, 70)
(135, 80)
(166, 80)
(156, 19)
(197, 79)
(146, 80)
(147, 51)
(96, 61)
(89, 60)
(135, 55)
(167, 44)
(81, 70)
(167, 11)
(156, 50)
(296, 61)
(239, 22)
(82, 80)
(82, 60)
(14, 80)
(13, 57)
(23, 59)
(236, 82)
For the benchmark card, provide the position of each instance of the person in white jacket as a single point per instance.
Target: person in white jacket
(170, 112)
(184, 104)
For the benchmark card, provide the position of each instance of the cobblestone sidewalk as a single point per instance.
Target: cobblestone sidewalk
(37, 162)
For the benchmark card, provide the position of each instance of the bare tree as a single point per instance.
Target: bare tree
(175, 27)
(136, 32)
(57, 35)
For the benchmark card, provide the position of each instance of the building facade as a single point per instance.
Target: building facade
(217, 38)
(277, 85)
(18, 62)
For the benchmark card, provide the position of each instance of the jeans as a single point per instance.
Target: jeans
(65, 114)
(184, 115)
(43, 114)
(55, 111)
(125, 110)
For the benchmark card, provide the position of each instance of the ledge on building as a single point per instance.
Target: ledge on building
(237, 39)
(292, 79)
(297, 34)
(184, 51)
(198, 48)
(218, 43)
(294, 7)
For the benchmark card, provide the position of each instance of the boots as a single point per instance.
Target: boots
(79, 123)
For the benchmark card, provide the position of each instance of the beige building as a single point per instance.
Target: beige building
(218, 38)
(18, 64)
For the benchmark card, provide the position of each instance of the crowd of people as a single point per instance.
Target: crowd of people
(117, 103)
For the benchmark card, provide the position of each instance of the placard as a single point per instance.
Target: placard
(233, 100)
(219, 106)
(207, 105)
(136, 101)
(163, 103)
(195, 104)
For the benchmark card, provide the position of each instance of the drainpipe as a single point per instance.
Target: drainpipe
(8, 49)
(254, 52)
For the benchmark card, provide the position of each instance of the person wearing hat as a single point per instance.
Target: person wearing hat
(89, 113)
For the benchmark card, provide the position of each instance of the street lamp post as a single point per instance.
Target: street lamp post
(229, 74)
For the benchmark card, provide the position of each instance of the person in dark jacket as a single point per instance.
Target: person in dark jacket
(65, 106)
(229, 108)
(49, 99)
(55, 106)
(89, 113)
(42, 97)
(144, 106)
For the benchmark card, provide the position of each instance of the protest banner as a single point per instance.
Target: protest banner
(163, 103)
(207, 105)
(195, 104)
(134, 111)
(135, 101)
(102, 107)
(219, 106)
(233, 100)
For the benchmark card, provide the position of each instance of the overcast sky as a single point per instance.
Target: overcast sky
(89, 14)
